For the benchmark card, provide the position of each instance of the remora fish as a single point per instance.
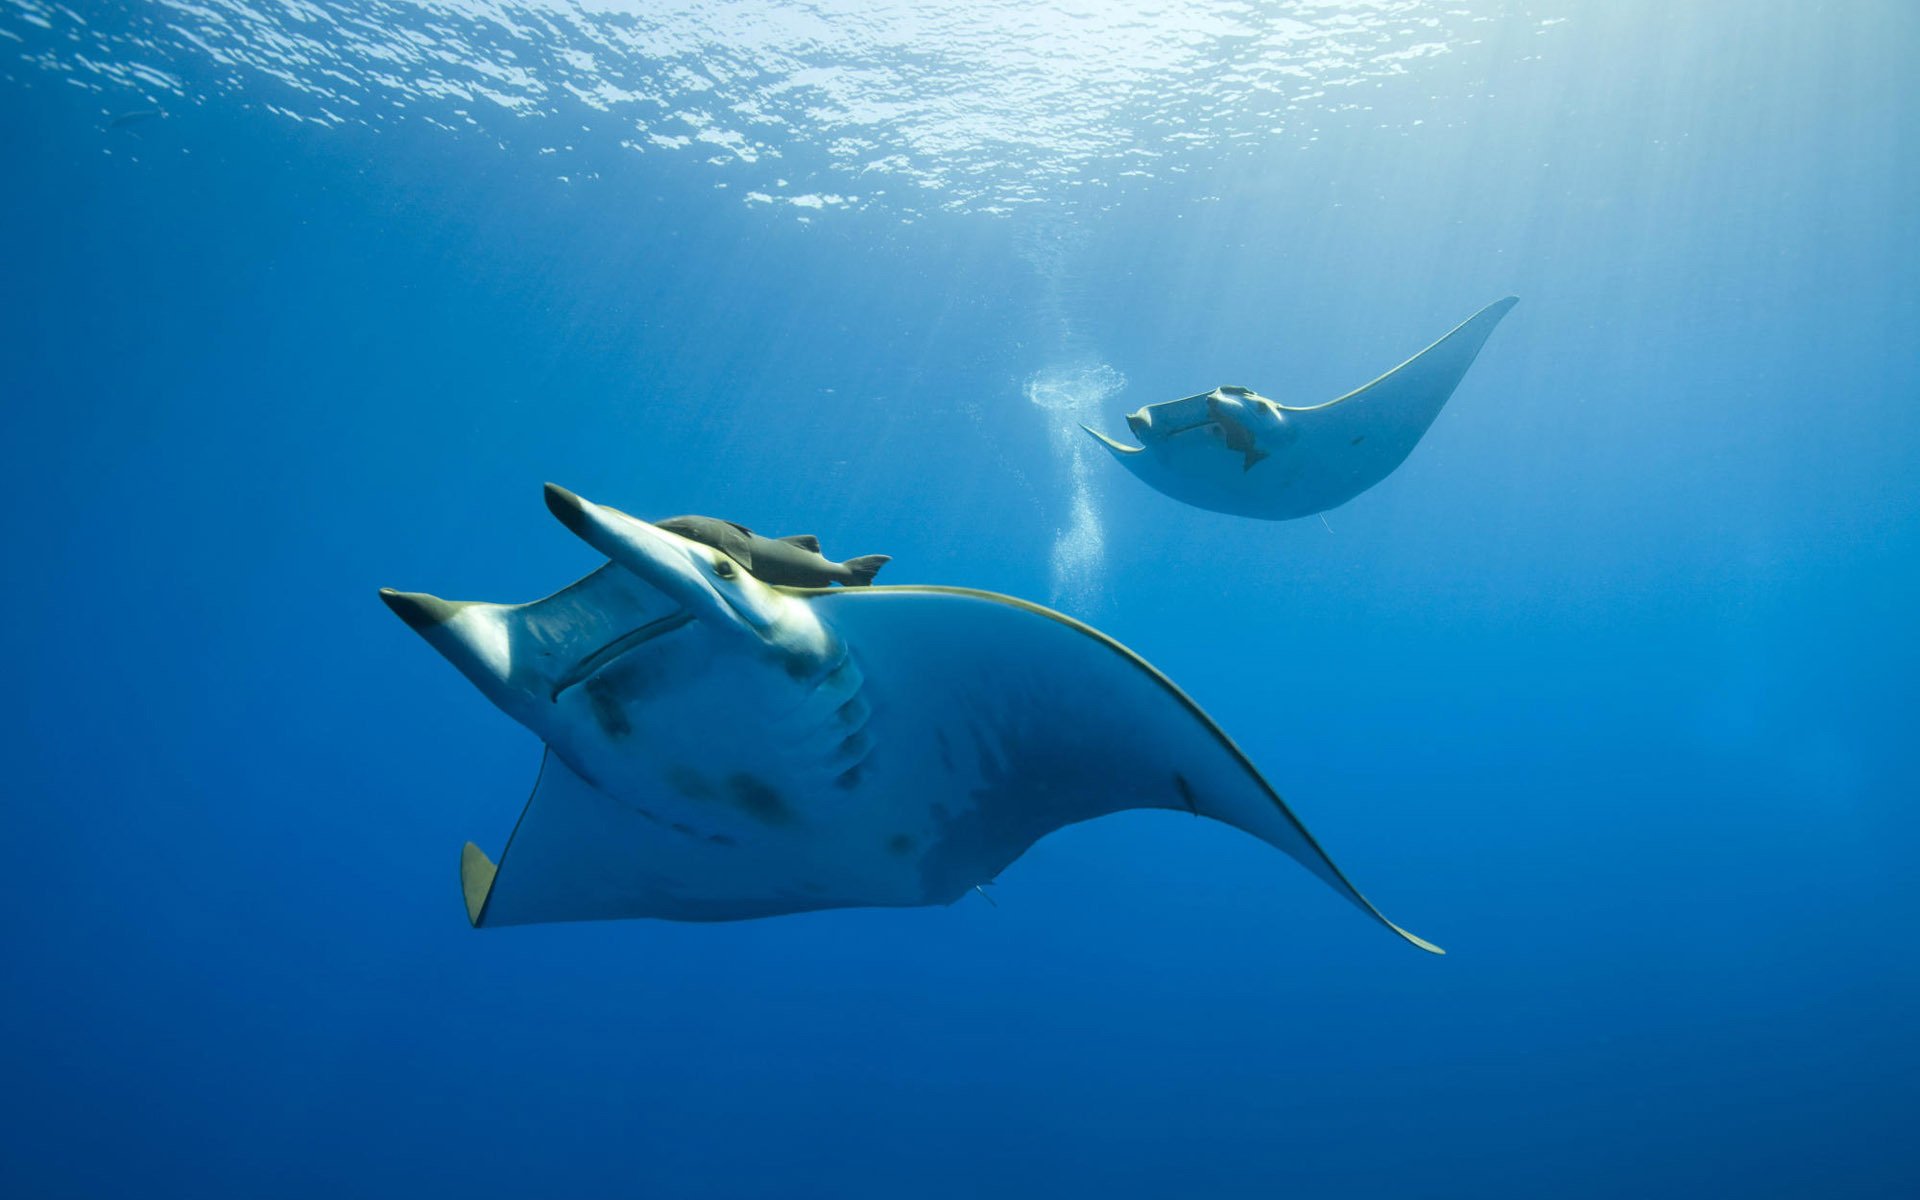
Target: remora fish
(793, 561)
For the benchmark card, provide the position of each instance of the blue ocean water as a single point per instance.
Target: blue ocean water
(1610, 689)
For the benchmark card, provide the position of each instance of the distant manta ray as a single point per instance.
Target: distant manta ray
(719, 748)
(1234, 451)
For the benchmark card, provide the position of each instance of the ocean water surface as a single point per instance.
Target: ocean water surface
(1610, 689)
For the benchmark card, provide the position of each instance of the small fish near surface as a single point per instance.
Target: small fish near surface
(1235, 451)
(719, 749)
(793, 561)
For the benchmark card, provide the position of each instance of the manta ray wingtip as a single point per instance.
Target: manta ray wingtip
(1416, 939)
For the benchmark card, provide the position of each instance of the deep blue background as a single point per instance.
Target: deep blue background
(1611, 689)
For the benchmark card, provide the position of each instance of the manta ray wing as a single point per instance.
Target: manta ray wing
(1032, 721)
(581, 854)
(1370, 431)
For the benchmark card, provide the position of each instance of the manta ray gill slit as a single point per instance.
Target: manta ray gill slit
(627, 642)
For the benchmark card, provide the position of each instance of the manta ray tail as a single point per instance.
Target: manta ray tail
(865, 568)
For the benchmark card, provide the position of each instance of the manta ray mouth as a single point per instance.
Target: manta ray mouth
(626, 643)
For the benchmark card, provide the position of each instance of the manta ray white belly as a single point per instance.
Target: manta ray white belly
(719, 749)
(1233, 451)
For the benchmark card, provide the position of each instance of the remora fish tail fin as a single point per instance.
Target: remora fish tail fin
(805, 541)
(865, 568)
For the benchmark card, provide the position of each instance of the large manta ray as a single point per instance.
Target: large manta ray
(719, 748)
(1232, 450)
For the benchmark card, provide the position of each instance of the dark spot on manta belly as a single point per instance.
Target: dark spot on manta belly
(900, 844)
(607, 712)
(1185, 789)
(753, 796)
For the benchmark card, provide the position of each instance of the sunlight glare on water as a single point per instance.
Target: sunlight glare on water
(978, 106)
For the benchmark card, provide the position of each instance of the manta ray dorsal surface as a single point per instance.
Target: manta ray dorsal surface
(720, 749)
(1234, 451)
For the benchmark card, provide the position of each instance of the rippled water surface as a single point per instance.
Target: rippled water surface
(915, 106)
